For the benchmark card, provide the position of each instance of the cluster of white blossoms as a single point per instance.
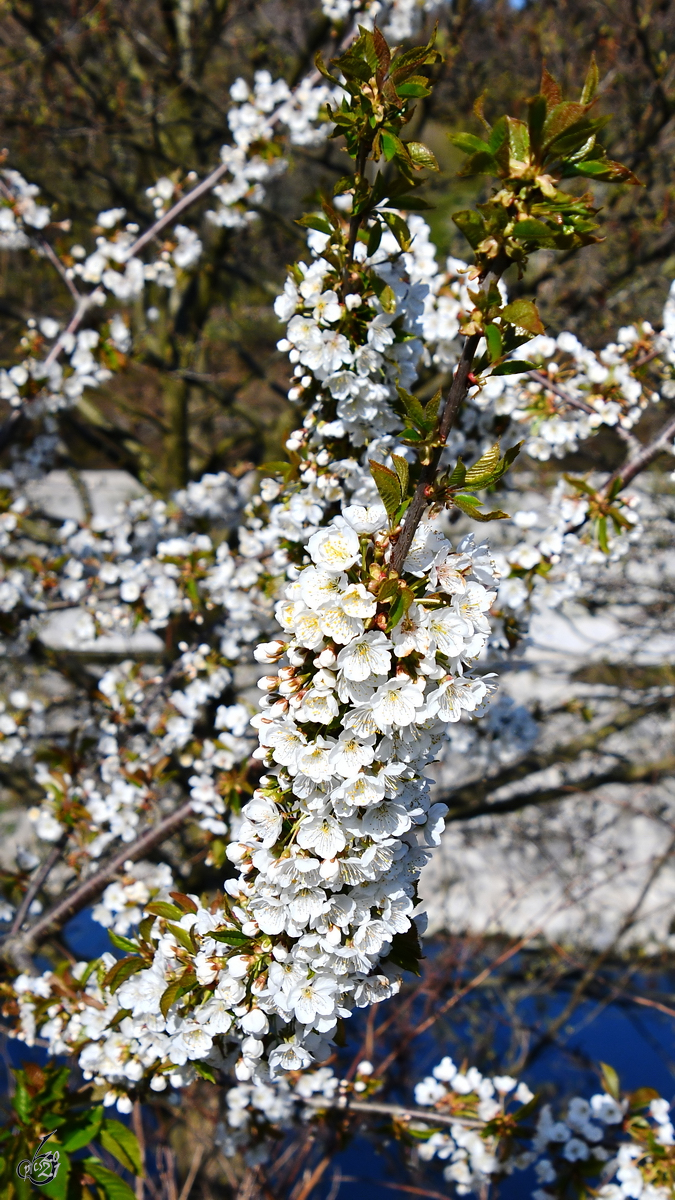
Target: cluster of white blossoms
(123, 902)
(473, 1158)
(398, 19)
(590, 1137)
(366, 682)
(480, 1116)
(146, 564)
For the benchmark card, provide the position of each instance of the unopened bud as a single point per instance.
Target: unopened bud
(269, 652)
(268, 683)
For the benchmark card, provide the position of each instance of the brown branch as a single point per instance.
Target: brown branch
(591, 971)
(659, 445)
(393, 1110)
(477, 980)
(619, 773)
(398, 1187)
(538, 760)
(458, 390)
(556, 390)
(20, 948)
(36, 883)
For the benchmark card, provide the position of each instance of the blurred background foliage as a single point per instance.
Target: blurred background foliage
(98, 100)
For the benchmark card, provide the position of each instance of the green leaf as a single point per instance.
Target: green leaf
(479, 164)
(536, 118)
(111, 1185)
(122, 1143)
(323, 70)
(169, 996)
(610, 1081)
(392, 146)
(233, 937)
(415, 204)
(57, 1188)
(387, 298)
(161, 908)
(416, 86)
(388, 590)
(398, 228)
(400, 606)
(422, 156)
(514, 366)
(403, 471)
(22, 1100)
(413, 408)
(205, 1071)
(123, 943)
(458, 475)
(374, 238)
(79, 1131)
(493, 338)
(123, 970)
(468, 143)
(182, 936)
(472, 225)
(431, 411)
(602, 535)
(483, 466)
(523, 313)
(388, 485)
(310, 221)
(615, 488)
(469, 505)
(605, 168)
(406, 950)
(145, 928)
(591, 83)
(531, 230)
(560, 118)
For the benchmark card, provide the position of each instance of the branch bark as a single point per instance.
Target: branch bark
(419, 503)
(659, 445)
(619, 773)
(463, 800)
(19, 949)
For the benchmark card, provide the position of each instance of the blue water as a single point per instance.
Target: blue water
(639, 1042)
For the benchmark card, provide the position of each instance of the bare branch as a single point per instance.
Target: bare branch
(393, 1110)
(419, 503)
(620, 772)
(463, 799)
(36, 883)
(18, 949)
(660, 444)
(556, 390)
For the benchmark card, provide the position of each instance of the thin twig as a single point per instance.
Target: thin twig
(137, 1119)
(458, 390)
(194, 1167)
(659, 445)
(19, 949)
(36, 883)
(546, 382)
(399, 1187)
(308, 1185)
(393, 1110)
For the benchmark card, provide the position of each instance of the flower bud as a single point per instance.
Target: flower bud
(269, 652)
(268, 683)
